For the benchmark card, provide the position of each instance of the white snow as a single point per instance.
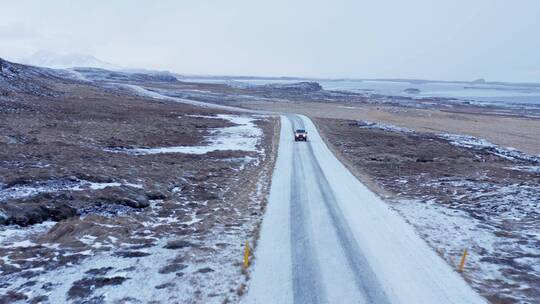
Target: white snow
(382, 126)
(472, 142)
(22, 191)
(97, 186)
(243, 136)
(449, 230)
(532, 169)
(272, 268)
(61, 61)
(88, 239)
(467, 141)
(138, 186)
(140, 91)
(22, 244)
(13, 235)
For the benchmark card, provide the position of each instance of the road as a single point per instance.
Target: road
(326, 238)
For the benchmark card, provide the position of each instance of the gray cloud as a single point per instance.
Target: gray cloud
(456, 39)
(18, 32)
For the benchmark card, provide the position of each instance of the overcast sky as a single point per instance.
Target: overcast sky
(449, 40)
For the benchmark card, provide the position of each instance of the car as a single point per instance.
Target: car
(300, 135)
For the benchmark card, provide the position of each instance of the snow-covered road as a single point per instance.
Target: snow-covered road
(326, 238)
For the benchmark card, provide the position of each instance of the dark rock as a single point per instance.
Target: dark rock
(124, 196)
(205, 270)
(162, 286)
(99, 271)
(60, 211)
(24, 214)
(131, 254)
(21, 181)
(47, 286)
(156, 196)
(29, 283)
(412, 91)
(12, 297)
(94, 178)
(177, 244)
(172, 268)
(39, 299)
(84, 288)
(131, 268)
(133, 203)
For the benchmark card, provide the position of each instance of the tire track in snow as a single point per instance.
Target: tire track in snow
(365, 279)
(306, 274)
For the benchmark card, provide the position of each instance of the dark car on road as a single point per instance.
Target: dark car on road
(300, 135)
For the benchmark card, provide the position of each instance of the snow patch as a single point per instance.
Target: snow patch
(244, 136)
(140, 91)
(475, 143)
(531, 169)
(22, 191)
(381, 126)
(14, 235)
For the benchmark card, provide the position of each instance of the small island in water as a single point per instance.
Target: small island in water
(412, 91)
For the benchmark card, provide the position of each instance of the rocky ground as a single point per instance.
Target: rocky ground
(83, 220)
(460, 193)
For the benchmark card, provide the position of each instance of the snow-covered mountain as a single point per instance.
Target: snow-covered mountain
(62, 61)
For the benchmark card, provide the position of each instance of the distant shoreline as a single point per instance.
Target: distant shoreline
(396, 89)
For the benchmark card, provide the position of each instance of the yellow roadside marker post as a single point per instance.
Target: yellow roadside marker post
(462, 262)
(246, 255)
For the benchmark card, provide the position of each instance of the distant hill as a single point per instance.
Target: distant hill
(30, 80)
(62, 61)
(97, 74)
(479, 81)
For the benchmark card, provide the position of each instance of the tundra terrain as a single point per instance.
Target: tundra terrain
(465, 176)
(130, 187)
(110, 197)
